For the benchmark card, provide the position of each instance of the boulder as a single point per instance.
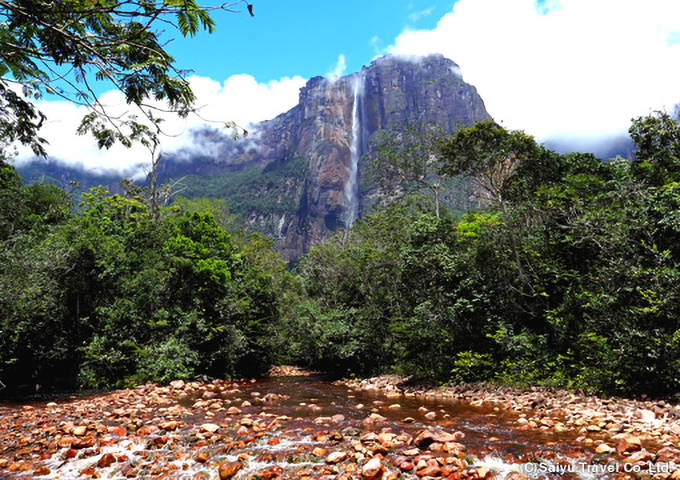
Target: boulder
(639, 456)
(604, 448)
(336, 457)
(644, 415)
(228, 469)
(373, 469)
(668, 455)
(428, 437)
(628, 444)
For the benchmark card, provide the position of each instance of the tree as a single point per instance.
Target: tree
(657, 138)
(489, 155)
(59, 47)
(409, 158)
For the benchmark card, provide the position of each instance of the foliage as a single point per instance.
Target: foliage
(408, 159)
(108, 297)
(565, 278)
(272, 190)
(60, 48)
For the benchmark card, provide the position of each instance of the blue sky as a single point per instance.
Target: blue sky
(575, 71)
(303, 37)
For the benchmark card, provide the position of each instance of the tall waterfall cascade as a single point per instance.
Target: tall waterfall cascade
(352, 184)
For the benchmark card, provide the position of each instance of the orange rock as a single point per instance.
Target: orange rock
(202, 457)
(483, 472)
(373, 469)
(169, 426)
(430, 471)
(228, 469)
(210, 427)
(628, 444)
(336, 457)
(65, 442)
(319, 452)
(41, 471)
(106, 460)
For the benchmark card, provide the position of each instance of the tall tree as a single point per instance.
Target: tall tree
(409, 159)
(489, 155)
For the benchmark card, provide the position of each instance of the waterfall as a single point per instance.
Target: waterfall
(352, 184)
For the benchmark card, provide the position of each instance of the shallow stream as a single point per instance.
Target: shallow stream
(280, 427)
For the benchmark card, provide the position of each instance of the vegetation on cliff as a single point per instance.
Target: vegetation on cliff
(567, 277)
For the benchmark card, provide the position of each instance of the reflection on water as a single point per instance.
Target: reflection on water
(282, 427)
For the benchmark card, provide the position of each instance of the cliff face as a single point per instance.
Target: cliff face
(330, 129)
(296, 177)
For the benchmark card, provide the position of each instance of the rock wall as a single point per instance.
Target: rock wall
(394, 91)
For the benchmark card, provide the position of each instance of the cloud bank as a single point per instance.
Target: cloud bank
(577, 70)
(240, 99)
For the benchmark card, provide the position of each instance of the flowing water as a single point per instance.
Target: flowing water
(352, 184)
(280, 427)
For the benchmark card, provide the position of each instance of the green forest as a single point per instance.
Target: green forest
(567, 277)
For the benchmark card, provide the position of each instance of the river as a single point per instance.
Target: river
(279, 427)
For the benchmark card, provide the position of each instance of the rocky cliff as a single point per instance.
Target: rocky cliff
(296, 177)
(329, 130)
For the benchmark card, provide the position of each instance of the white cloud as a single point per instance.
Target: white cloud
(338, 70)
(568, 68)
(415, 16)
(240, 99)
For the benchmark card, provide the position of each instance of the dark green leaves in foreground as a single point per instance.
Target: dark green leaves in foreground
(60, 47)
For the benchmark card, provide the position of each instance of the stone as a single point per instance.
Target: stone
(228, 469)
(639, 456)
(515, 476)
(169, 426)
(177, 384)
(271, 398)
(209, 427)
(428, 437)
(80, 431)
(454, 447)
(106, 460)
(373, 469)
(319, 452)
(644, 415)
(336, 457)
(430, 471)
(202, 457)
(628, 444)
(41, 472)
(483, 472)
(386, 439)
(604, 448)
(668, 455)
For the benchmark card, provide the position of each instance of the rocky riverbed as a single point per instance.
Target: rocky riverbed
(304, 427)
(641, 435)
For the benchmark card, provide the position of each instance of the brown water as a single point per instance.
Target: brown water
(273, 438)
